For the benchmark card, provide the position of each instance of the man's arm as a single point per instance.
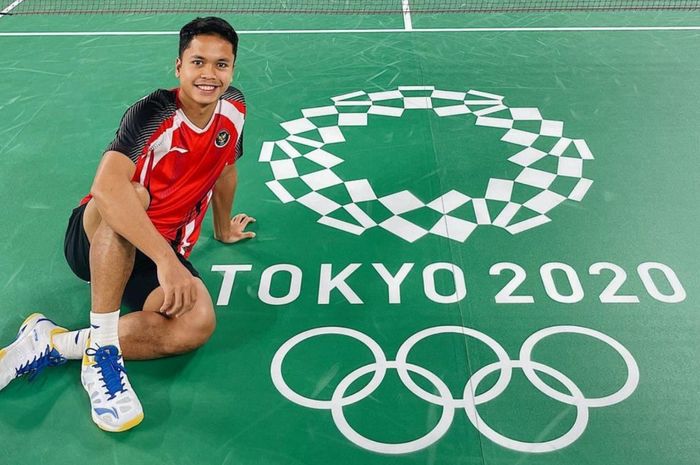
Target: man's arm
(227, 229)
(119, 206)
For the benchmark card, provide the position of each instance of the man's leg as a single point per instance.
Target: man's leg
(142, 335)
(146, 334)
(114, 404)
(111, 263)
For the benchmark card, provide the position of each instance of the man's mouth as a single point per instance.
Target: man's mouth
(206, 87)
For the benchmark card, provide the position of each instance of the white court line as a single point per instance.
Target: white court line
(369, 31)
(11, 7)
(407, 23)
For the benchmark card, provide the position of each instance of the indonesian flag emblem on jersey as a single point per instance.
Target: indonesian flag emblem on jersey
(177, 162)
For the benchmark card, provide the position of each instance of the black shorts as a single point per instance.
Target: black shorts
(143, 279)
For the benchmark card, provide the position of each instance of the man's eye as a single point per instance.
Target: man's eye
(223, 65)
(197, 62)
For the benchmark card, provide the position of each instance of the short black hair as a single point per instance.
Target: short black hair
(208, 25)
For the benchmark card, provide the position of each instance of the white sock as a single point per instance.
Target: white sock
(104, 329)
(71, 345)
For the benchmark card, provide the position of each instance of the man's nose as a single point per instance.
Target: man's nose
(208, 71)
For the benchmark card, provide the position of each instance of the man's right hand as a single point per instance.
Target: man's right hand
(179, 287)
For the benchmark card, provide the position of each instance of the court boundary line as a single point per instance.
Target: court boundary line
(406, 7)
(370, 31)
(10, 7)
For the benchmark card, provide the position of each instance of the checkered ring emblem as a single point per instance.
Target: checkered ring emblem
(543, 158)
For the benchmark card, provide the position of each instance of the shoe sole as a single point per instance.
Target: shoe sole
(125, 427)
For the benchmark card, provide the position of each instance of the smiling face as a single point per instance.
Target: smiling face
(205, 70)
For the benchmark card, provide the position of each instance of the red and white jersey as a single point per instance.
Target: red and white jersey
(177, 162)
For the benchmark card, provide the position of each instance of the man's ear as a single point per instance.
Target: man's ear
(178, 65)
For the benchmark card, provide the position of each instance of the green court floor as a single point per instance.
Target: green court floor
(473, 247)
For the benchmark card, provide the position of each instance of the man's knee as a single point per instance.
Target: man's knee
(204, 319)
(203, 328)
(198, 329)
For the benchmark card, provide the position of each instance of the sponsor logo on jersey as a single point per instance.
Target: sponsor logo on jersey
(222, 138)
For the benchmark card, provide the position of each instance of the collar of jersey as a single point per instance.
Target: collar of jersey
(193, 126)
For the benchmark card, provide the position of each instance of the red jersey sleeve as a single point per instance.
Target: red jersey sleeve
(141, 121)
(236, 98)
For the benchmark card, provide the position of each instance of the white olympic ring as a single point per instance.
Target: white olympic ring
(470, 401)
(281, 385)
(497, 389)
(403, 448)
(548, 446)
(528, 195)
(623, 393)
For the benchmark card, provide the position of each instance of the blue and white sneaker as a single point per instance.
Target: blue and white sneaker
(32, 350)
(114, 404)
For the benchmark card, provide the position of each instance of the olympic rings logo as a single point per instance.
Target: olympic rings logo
(449, 404)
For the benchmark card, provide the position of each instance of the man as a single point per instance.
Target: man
(173, 154)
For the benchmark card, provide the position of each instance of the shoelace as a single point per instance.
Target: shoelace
(107, 361)
(49, 358)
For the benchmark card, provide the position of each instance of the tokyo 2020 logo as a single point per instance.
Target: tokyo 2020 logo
(313, 138)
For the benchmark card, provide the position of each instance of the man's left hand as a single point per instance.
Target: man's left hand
(236, 229)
